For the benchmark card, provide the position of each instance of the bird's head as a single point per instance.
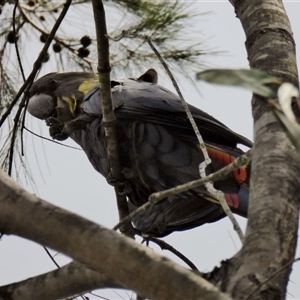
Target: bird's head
(60, 95)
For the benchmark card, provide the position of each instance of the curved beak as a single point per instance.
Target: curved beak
(41, 106)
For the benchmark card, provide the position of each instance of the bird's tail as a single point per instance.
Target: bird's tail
(235, 185)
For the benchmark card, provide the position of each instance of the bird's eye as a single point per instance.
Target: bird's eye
(52, 81)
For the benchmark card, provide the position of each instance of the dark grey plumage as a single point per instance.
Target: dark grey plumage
(157, 144)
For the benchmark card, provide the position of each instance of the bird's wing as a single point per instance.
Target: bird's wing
(163, 153)
(167, 217)
(151, 102)
(159, 161)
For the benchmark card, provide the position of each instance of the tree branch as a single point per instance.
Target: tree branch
(133, 266)
(70, 280)
(109, 119)
(271, 235)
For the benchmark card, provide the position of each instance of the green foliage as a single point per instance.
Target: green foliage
(26, 25)
(253, 80)
(165, 22)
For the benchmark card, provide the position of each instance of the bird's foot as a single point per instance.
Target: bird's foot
(56, 129)
(110, 179)
(124, 186)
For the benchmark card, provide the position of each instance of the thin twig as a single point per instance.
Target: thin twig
(22, 128)
(13, 138)
(165, 246)
(21, 69)
(15, 39)
(97, 296)
(49, 140)
(52, 258)
(183, 102)
(24, 103)
(19, 112)
(156, 197)
(37, 64)
(219, 195)
(15, 127)
(109, 119)
(26, 86)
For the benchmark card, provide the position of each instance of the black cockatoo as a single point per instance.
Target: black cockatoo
(158, 146)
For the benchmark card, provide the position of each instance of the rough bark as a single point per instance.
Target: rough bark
(271, 235)
(131, 265)
(67, 281)
(109, 119)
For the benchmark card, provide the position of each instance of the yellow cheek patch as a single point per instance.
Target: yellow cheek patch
(71, 101)
(87, 85)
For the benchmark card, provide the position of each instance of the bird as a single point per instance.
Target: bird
(157, 145)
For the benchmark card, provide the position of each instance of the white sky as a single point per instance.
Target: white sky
(69, 180)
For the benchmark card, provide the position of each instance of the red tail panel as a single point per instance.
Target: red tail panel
(232, 200)
(218, 154)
